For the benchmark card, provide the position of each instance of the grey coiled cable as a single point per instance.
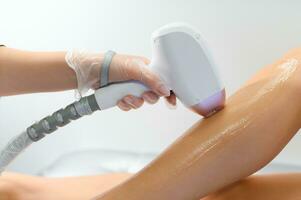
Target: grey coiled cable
(85, 106)
(15, 146)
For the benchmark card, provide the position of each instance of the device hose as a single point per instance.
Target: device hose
(14, 147)
(37, 131)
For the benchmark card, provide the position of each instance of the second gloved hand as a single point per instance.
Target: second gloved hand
(122, 68)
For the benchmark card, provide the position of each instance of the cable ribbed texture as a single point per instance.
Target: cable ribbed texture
(85, 106)
(13, 149)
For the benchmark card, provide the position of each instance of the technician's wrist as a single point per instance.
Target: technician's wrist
(86, 66)
(121, 66)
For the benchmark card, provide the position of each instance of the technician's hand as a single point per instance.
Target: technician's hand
(123, 67)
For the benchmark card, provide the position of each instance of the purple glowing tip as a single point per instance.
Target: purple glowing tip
(210, 105)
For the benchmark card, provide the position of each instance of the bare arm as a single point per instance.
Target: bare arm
(256, 124)
(28, 72)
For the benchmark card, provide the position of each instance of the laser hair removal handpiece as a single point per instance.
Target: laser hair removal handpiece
(180, 58)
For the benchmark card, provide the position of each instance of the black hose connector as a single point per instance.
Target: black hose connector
(85, 106)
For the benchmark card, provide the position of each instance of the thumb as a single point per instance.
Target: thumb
(138, 70)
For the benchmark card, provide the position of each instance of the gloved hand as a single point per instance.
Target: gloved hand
(122, 68)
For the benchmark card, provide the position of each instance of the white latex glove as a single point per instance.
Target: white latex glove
(123, 67)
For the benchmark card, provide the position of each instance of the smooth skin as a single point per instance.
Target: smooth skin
(14, 186)
(24, 72)
(262, 187)
(257, 122)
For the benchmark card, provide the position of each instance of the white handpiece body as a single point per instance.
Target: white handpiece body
(181, 58)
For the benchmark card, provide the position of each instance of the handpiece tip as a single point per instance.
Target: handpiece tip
(211, 105)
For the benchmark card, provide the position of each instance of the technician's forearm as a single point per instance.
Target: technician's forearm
(256, 124)
(28, 72)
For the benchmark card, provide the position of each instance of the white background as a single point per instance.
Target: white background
(243, 37)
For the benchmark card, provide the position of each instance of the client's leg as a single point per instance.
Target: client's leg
(18, 186)
(14, 186)
(256, 124)
(262, 187)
